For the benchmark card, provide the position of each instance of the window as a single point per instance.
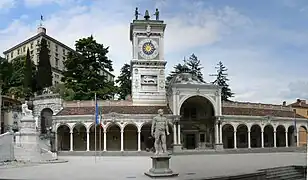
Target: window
(24, 49)
(18, 51)
(57, 63)
(57, 54)
(202, 137)
(31, 52)
(7, 57)
(63, 51)
(31, 45)
(12, 54)
(56, 48)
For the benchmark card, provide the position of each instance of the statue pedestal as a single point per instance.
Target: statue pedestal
(27, 142)
(160, 167)
(177, 148)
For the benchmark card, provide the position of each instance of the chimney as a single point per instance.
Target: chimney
(284, 103)
(298, 100)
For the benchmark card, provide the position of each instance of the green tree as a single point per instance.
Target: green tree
(15, 80)
(28, 79)
(177, 69)
(125, 82)
(44, 72)
(84, 71)
(6, 71)
(221, 80)
(194, 66)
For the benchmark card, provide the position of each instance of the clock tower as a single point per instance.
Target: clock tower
(148, 61)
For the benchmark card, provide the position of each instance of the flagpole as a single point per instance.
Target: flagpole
(100, 136)
(95, 127)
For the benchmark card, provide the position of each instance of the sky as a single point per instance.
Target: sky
(262, 43)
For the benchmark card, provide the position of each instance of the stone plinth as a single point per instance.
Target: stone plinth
(219, 147)
(27, 142)
(177, 148)
(160, 167)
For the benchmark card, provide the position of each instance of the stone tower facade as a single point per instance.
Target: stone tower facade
(148, 62)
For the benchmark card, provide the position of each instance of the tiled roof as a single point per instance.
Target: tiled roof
(258, 112)
(117, 109)
(153, 110)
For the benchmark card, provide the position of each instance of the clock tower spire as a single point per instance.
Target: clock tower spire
(148, 61)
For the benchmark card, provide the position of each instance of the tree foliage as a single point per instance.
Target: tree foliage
(6, 71)
(221, 80)
(28, 79)
(194, 66)
(125, 82)
(44, 72)
(191, 65)
(84, 71)
(13, 76)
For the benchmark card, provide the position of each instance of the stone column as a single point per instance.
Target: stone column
(56, 141)
(174, 133)
(105, 140)
(287, 139)
(297, 138)
(88, 140)
(220, 134)
(275, 139)
(71, 140)
(249, 143)
(216, 133)
(179, 133)
(262, 139)
(139, 140)
(235, 141)
(122, 140)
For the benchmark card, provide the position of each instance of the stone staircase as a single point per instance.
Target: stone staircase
(285, 173)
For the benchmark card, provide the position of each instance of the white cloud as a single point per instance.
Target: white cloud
(254, 76)
(6, 4)
(35, 3)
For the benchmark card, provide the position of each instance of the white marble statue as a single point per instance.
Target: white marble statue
(25, 110)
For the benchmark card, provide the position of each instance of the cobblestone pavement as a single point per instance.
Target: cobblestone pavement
(130, 167)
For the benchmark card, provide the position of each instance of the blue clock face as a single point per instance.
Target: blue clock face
(148, 48)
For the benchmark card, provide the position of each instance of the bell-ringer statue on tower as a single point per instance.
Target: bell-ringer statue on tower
(160, 131)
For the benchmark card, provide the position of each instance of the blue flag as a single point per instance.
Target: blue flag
(97, 119)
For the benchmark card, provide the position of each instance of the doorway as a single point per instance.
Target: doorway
(190, 141)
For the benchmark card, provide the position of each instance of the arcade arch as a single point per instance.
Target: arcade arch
(302, 133)
(63, 137)
(79, 137)
(99, 132)
(113, 137)
(130, 137)
(255, 136)
(197, 123)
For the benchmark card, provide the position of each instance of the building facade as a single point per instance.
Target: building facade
(300, 107)
(58, 53)
(198, 119)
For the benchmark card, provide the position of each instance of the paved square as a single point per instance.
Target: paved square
(133, 167)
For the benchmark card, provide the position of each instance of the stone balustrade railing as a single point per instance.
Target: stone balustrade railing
(256, 105)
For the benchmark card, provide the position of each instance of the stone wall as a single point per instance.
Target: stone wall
(6, 147)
